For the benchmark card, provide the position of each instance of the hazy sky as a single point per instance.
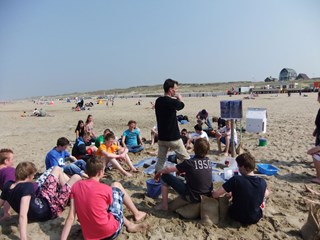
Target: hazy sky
(64, 46)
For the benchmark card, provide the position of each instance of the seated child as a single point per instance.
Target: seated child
(199, 133)
(57, 156)
(315, 153)
(112, 152)
(220, 121)
(100, 140)
(131, 138)
(154, 135)
(198, 175)
(104, 218)
(47, 204)
(79, 149)
(7, 173)
(248, 192)
(224, 136)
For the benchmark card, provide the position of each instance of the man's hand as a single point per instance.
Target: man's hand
(157, 176)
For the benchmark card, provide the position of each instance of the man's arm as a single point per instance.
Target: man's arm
(218, 193)
(165, 170)
(110, 155)
(139, 140)
(23, 216)
(73, 158)
(69, 221)
(313, 150)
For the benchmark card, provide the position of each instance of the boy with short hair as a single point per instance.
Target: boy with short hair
(224, 136)
(131, 138)
(56, 157)
(104, 218)
(7, 173)
(199, 133)
(47, 204)
(198, 176)
(248, 192)
(111, 152)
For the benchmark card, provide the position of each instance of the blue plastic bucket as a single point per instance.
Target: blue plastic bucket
(153, 188)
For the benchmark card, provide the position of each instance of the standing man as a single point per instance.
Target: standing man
(166, 108)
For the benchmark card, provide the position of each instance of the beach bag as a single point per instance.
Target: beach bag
(311, 229)
(209, 211)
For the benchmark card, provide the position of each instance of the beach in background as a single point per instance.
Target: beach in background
(290, 123)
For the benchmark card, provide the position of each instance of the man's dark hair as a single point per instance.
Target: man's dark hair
(109, 136)
(169, 83)
(94, 165)
(198, 127)
(246, 160)
(62, 142)
(201, 147)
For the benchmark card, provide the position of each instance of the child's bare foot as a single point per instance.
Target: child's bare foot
(311, 190)
(134, 170)
(140, 216)
(310, 202)
(133, 228)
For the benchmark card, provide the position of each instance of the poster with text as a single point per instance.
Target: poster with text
(231, 109)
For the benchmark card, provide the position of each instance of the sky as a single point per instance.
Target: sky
(58, 47)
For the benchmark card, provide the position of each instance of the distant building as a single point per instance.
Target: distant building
(270, 79)
(287, 74)
(302, 76)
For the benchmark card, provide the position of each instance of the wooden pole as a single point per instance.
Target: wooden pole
(233, 150)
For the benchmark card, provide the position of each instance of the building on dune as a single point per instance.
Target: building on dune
(287, 74)
(302, 76)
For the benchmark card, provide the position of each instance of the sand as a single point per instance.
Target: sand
(289, 136)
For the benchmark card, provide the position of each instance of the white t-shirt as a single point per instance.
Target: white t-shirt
(202, 135)
(224, 130)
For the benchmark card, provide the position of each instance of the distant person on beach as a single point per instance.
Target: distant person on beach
(47, 204)
(88, 127)
(224, 136)
(79, 131)
(166, 108)
(248, 191)
(113, 153)
(7, 173)
(198, 176)
(104, 218)
(57, 156)
(131, 138)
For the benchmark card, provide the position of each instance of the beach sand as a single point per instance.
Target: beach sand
(289, 136)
